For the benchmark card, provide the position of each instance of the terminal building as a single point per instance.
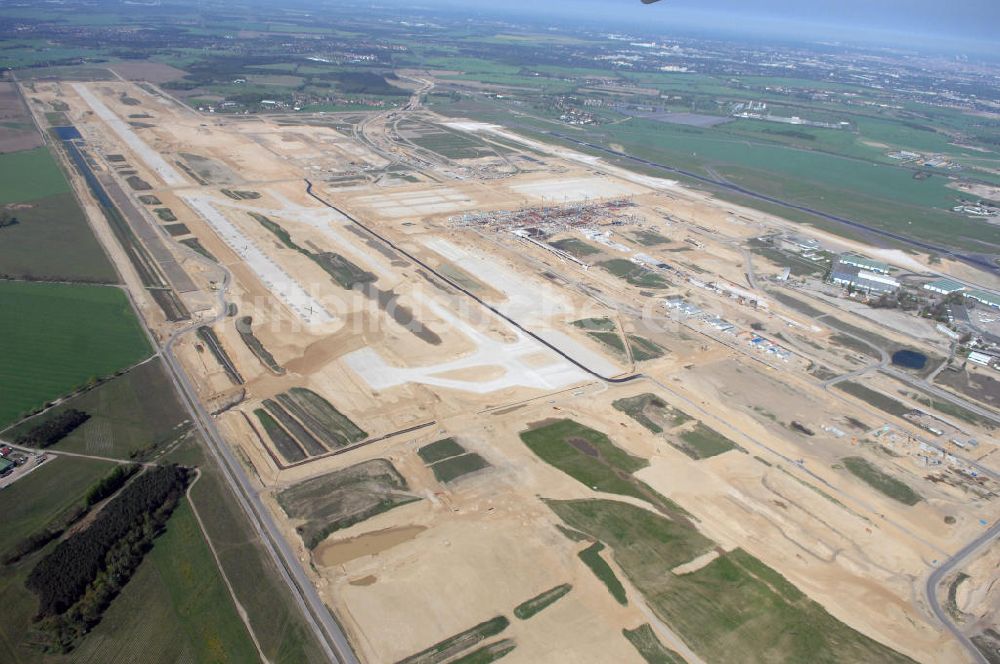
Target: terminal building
(854, 260)
(847, 274)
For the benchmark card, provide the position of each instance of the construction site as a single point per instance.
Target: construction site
(439, 349)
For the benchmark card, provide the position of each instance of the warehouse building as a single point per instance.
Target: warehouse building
(988, 299)
(980, 358)
(944, 286)
(860, 262)
(846, 274)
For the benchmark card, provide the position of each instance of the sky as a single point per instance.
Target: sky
(955, 19)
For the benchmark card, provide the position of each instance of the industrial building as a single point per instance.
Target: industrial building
(944, 286)
(854, 260)
(980, 358)
(799, 243)
(988, 299)
(684, 307)
(847, 274)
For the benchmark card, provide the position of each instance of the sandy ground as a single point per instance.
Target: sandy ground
(476, 548)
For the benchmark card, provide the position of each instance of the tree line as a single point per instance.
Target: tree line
(77, 580)
(54, 429)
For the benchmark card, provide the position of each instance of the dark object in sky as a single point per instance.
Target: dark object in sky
(649, 2)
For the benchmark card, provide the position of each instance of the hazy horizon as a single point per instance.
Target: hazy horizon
(961, 24)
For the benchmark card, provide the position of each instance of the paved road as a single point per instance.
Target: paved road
(943, 394)
(328, 633)
(938, 575)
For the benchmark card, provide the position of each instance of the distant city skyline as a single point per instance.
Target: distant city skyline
(975, 20)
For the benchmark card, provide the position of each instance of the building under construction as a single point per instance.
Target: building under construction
(548, 220)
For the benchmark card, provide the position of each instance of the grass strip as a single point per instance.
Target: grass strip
(453, 645)
(880, 481)
(540, 602)
(649, 647)
(591, 557)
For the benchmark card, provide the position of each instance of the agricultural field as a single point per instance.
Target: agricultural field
(32, 502)
(52, 241)
(61, 337)
(132, 416)
(177, 602)
(270, 608)
(30, 175)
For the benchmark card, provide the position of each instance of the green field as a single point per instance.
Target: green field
(873, 398)
(32, 502)
(587, 455)
(644, 639)
(57, 337)
(131, 416)
(591, 557)
(451, 469)
(591, 458)
(880, 481)
(175, 608)
(271, 609)
(634, 274)
(650, 238)
(53, 241)
(596, 324)
(643, 349)
(703, 442)
(575, 246)
(30, 175)
(440, 450)
(610, 339)
(735, 609)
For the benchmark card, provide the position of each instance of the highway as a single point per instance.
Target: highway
(328, 633)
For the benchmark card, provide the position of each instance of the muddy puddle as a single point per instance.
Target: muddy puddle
(333, 553)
